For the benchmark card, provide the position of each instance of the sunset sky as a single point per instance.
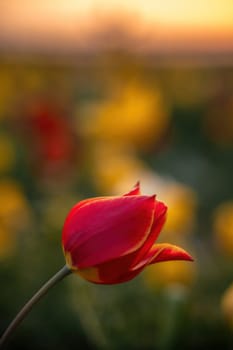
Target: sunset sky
(161, 23)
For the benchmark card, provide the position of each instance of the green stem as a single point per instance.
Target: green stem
(29, 305)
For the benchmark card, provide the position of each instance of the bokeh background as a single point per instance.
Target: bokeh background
(94, 96)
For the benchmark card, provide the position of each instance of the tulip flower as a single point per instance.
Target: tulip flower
(52, 144)
(109, 240)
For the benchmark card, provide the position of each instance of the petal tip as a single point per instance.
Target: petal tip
(181, 254)
(163, 208)
(152, 197)
(189, 257)
(166, 252)
(135, 190)
(137, 185)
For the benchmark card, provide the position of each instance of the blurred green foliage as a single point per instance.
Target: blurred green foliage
(93, 127)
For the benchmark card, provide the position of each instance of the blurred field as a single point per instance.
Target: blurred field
(88, 127)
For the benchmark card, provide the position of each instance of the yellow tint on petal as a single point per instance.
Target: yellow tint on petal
(223, 227)
(89, 274)
(227, 305)
(69, 261)
(169, 272)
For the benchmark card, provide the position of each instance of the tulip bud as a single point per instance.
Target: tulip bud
(109, 240)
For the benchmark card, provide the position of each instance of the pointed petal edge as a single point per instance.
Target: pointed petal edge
(163, 252)
(166, 252)
(135, 190)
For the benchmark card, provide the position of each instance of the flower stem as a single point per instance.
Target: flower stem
(29, 305)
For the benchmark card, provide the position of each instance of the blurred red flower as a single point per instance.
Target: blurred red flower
(109, 240)
(53, 146)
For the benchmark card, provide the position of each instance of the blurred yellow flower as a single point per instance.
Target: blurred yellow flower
(7, 90)
(227, 305)
(135, 115)
(181, 201)
(112, 165)
(223, 227)
(7, 154)
(32, 80)
(7, 243)
(169, 273)
(14, 208)
(115, 169)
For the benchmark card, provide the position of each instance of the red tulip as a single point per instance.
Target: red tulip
(110, 240)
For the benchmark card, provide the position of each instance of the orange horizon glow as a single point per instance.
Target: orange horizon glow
(155, 23)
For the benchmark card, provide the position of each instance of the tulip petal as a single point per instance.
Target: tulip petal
(111, 272)
(72, 212)
(163, 252)
(135, 190)
(166, 252)
(93, 275)
(159, 220)
(108, 228)
(90, 274)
